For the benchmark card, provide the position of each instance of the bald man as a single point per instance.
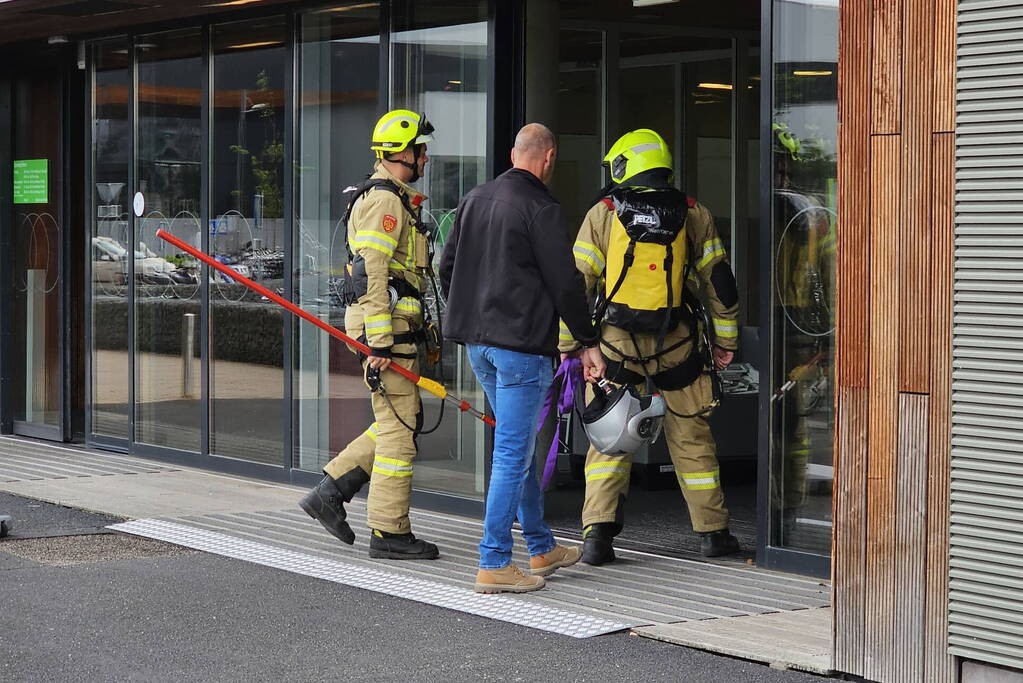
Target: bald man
(508, 274)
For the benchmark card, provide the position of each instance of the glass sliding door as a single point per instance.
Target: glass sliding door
(804, 170)
(573, 105)
(439, 66)
(167, 306)
(110, 244)
(339, 102)
(246, 359)
(37, 229)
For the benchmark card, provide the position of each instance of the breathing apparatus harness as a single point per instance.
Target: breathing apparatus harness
(355, 284)
(647, 220)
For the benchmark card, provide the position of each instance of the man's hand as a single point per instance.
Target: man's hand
(379, 363)
(722, 357)
(594, 364)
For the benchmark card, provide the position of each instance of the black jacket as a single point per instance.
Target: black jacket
(507, 270)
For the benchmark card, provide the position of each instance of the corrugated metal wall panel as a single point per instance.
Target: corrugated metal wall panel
(986, 555)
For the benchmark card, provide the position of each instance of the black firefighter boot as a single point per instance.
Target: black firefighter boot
(598, 538)
(386, 546)
(326, 503)
(718, 543)
(597, 544)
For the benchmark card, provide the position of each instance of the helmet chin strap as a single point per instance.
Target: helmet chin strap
(411, 165)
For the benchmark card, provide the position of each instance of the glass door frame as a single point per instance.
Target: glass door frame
(770, 556)
(505, 63)
(202, 458)
(59, 69)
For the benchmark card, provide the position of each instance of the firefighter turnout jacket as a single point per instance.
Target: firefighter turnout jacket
(383, 234)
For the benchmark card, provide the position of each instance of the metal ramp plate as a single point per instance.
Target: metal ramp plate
(402, 585)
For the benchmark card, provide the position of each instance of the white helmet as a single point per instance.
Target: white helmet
(620, 421)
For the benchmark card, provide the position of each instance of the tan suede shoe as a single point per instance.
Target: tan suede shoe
(510, 579)
(548, 563)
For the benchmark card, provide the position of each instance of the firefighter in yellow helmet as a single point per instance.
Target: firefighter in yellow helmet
(805, 271)
(636, 248)
(389, 258)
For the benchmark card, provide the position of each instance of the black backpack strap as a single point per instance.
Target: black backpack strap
(359, 190)
(627, 261)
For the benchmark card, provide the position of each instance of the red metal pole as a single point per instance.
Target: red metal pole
(434, 387)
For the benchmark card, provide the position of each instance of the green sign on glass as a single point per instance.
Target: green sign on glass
(31, 181)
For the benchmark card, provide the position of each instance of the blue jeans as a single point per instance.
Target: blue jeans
(516, 384)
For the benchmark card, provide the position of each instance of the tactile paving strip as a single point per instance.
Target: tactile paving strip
(500, 607)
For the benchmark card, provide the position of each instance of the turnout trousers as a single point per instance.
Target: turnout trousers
(689, 439)
(383, 455)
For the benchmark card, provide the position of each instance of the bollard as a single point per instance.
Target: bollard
(187, 344)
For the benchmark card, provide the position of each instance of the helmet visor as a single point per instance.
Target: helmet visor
(426, 130)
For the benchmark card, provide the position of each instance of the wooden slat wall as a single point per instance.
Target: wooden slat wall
(853, 348)
(893, 371)
(849, 551)
(914, 232)
(911, 532)
(854, 97)
(883, 228)
(886, 65)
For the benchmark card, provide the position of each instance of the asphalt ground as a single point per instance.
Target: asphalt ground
(109, 607)
(35, 519)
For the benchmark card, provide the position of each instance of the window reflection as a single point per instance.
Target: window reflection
(804, 147)
(439, 66)
(338, 105)
(166, 287)
(110, 239)
(246, 232)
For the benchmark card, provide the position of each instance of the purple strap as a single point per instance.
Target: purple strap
(570, 372)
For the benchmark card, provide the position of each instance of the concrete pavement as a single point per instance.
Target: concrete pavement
(159, 613)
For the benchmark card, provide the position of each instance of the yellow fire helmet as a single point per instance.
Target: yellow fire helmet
(788, 141)
(637, 151)
(398, 129)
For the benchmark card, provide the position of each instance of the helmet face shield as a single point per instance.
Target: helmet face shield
(619, 421)
(426, 130)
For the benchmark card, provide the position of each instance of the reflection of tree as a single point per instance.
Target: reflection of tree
(266, 165)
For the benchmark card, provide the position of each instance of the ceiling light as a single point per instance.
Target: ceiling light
(57, 40)
(455, 82)
(231, 3)
(265, 43)
(347, 8)
(812, 73)
(715, 86)
(648, 3)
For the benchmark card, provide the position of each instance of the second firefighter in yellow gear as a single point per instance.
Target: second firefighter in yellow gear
(390, 257)
(663, 351)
